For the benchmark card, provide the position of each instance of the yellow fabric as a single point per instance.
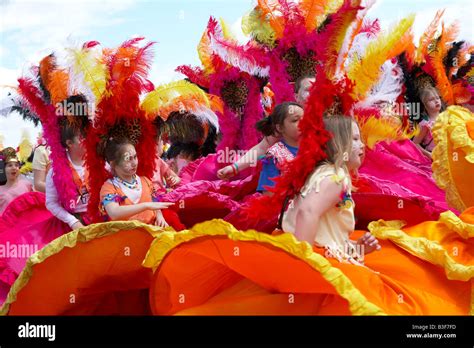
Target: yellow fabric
(454, 223)
(452, 138)
(423, 248)
(70, 240)
(335, 226)
(376, 129)
(166, 241)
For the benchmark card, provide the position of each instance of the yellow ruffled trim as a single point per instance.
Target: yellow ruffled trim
(455, 224)
(166, 241)
(451, 126)
(422, 248)
(70, 240)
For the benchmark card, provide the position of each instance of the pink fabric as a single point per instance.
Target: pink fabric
(25, 225)
(280, 154)
(203, 200)
(206, 168)
(399, 170)
(8, 194)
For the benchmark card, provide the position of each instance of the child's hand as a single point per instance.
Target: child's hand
(77, 225)
(174, 180)
(369, 242)
(160, 220)
(158, 205)
(225, 173)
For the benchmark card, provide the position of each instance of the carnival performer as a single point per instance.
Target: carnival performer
(15, 185)
(432, 107)
(282, 121)
(73, 215)
(328, 269)
(323, 212)
(301, 95)
(127, 196)
(164, 176)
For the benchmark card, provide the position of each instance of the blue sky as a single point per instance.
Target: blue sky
(31, 29)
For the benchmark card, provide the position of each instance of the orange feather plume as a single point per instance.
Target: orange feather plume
(427, 37)
(437, 56)
(269, 14)
(58, 86)
(46, 67)
(312, 9)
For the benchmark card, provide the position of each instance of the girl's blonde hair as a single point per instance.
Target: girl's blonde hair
(428, 91)
(339, 147)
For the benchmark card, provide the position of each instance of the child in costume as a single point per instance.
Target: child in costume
(294, 277)
(15, 185)
(301, 95)
(283, 121)
(127, 196)
(73, 215)
(164, 177)
(323, 211)
(433, 106)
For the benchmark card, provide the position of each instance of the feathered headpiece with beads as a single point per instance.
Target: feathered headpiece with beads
(118, 85)
(48, 97)
(236, 74)
(184, 109)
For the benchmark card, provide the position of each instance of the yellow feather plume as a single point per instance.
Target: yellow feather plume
(204, 53)
(270, 13)
(173, 96)
(377, 129)
(261, 31)
(226, 31)
(366, 71)
(330, 8)
(92, 68)
(25, 146)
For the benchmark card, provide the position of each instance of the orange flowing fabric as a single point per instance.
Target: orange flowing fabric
(229, 272)
(95, 270)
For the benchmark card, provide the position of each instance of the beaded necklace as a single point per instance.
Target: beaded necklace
(133, 185)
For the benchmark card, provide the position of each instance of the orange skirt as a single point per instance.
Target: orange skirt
(215, 269)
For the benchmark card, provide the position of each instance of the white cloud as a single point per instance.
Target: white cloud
(31, 29)
(236, 29)
(35, 28)
(460, 11)
(12, 127)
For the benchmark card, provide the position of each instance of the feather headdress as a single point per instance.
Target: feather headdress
(118, 112)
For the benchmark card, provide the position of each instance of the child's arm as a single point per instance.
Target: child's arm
(160, 219)
(172, 178)
(55, 207)
(417, 139)
(249, 158)
(314, 205)
(124, 212)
